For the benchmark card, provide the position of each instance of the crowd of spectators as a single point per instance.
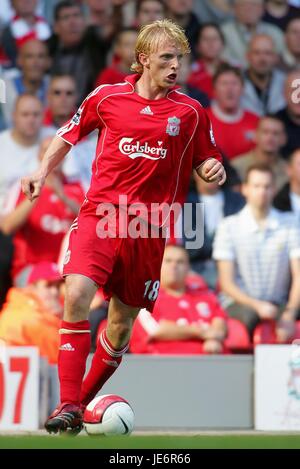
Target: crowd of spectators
(244, 68)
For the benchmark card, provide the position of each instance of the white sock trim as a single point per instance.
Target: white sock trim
(113, 353)
(73, 331)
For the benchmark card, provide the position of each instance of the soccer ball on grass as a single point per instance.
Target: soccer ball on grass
(108, 415)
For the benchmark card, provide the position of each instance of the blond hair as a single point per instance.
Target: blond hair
(152, 35)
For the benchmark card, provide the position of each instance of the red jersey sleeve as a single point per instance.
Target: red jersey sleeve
(84, 121)
(204, 141)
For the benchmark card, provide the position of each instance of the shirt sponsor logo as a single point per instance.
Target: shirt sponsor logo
(173, 126)
(136, 150)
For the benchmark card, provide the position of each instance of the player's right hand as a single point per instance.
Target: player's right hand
(32, 185)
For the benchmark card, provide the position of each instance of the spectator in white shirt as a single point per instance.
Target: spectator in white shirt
(20, 145)
(258, 256)
(217, 203)
(61, 106)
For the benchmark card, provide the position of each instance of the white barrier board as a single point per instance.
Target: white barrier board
(277, 387)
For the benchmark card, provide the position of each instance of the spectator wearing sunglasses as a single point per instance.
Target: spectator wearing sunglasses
(61, 101)
(61, 105)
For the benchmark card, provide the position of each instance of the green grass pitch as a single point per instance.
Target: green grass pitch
(257, 441)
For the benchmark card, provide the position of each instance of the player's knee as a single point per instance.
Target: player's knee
(76, 304)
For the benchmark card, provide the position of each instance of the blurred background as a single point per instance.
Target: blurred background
(226, 310)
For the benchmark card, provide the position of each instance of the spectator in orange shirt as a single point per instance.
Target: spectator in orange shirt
(32, 315)
(185, 320)
(233, 126)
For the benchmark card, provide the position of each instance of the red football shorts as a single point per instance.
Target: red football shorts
(127, 267)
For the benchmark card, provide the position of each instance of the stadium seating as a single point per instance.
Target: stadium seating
(238, 340)
(264, 333)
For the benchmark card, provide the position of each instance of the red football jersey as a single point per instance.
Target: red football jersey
(235, 138)
(146, 148)
(194, 306)
(41, 237)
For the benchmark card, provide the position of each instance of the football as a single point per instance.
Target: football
(108, 415)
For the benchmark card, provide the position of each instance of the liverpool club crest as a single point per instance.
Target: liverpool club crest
(173, 126)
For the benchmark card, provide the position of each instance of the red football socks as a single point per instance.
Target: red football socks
(105, 362)
(75, 343)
